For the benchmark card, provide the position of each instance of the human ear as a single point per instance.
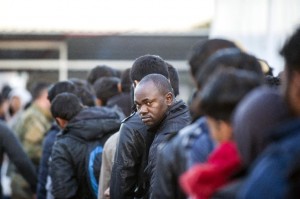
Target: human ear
(119, 88)
(98, 102)
(61, 122)
(169, 98)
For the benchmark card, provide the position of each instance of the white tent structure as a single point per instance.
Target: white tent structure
(259, 26)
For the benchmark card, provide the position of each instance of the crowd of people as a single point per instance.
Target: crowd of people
(128, 135)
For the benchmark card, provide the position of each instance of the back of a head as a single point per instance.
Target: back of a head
(85, 91)
(106, 87)
(66, 106)
(60, 87)
(126, 81)
(100, 71)
(174, 78)
(37, 89)
(203, 50)
(161, 83)
(228, 58)
(224, 91)
(254, 118)
(291, 51)
(148, 64)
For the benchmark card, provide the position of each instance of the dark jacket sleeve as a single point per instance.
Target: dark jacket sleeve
(125, 168)
(44, 163)
(17, 156)
(201, 148)
(171, 162)
(64, 183)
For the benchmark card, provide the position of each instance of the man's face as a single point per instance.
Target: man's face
(151, 104)
(291, 90)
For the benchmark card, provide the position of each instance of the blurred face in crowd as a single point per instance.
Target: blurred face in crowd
(151, 104)
(219, 130)
(291, 90)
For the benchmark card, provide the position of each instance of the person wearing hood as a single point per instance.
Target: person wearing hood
(81, 127)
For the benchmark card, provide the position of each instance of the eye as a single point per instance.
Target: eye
(137, 106)
(148, 103)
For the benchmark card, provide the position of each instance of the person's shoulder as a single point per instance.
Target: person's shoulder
(132, 117)
(133, 121)
(132, 126)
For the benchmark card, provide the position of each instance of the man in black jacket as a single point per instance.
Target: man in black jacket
(163, 115)
(81, 126)
(131, 157)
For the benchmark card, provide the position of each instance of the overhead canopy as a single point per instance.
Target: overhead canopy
(94, 16)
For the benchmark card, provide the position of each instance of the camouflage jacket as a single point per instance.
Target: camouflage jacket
(31, 128)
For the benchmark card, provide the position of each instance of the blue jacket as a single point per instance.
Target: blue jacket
(269, 177)
(202, 146)
(43, 169)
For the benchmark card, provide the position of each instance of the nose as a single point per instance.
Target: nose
(142, 110)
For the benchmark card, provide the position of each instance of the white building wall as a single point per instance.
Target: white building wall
(260, 26)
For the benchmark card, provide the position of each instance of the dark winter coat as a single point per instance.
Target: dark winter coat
(176, 118)
(67, 166)
(275, 174)
(174, 160)
(127, 180)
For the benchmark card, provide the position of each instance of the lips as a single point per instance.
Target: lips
(146, 119)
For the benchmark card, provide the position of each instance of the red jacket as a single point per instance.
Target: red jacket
(202, 180)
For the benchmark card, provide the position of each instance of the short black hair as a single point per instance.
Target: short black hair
(37, 89)
(100, 71)
(224, 90)
(202, 50)
(106, 87)
(126, 81)
(291, 51)
(60, 87)
(228, 58)
(160, 82)
(148, 64)
(174, 78)
(66, 106)
(85, 91)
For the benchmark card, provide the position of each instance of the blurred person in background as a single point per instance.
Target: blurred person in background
(218, 103)
(12, 147)
(101, 71)
(49, 139)
(31, 128)
(19, 99)
(174, 78)
(82, 127)
(123, 99)
(277, 169)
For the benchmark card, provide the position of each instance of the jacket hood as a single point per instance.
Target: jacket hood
(94, 123)
(255, 119)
